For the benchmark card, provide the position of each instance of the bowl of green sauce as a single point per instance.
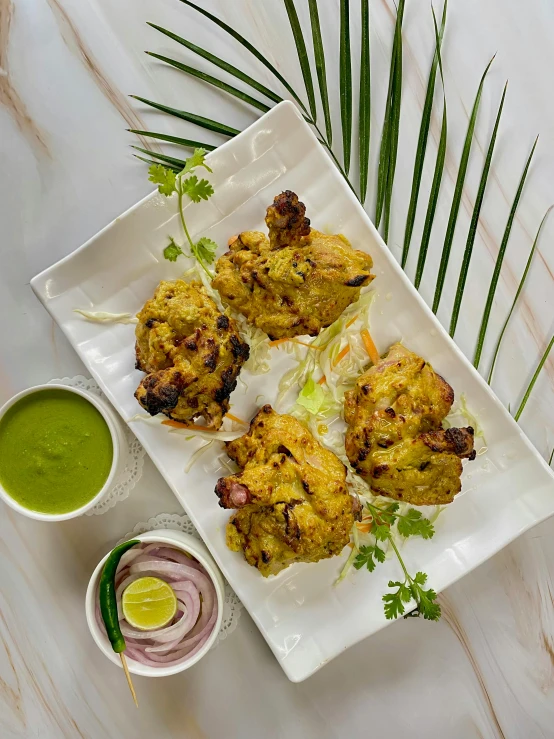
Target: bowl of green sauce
(59, 451)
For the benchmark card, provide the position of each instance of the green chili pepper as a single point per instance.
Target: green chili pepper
(106, 596)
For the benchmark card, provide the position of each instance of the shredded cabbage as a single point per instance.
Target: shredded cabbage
(105, 317)
(196, 456)
(189, 433)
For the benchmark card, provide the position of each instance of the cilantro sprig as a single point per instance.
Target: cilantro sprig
(412, 523)
(186, 184)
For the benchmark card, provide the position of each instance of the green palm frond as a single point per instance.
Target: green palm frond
(475, 220)
(437, 176)
(302, 56)
(250, 48)
(345, 82)
(391, 128)
(188, 143)
(422, 141)
(151, 161)
(173, 162)
(212, 81)
(518, 293)
(500, 259)
(199, 120)
(456, 202)
(534, 380)
(319, 54)
(225, 66)
(364, 114)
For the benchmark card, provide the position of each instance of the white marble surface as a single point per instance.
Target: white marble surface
(487, 670)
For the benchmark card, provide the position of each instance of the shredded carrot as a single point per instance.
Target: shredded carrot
(364, 527)
(234, 418)
(190, 426)
(341, 355)
(277, 342)
(322, 380)
(351, 321)
(370, 347)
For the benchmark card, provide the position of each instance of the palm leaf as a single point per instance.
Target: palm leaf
(172, 161)
(221, 64)
(249, 47)
(551, 458)
(199, 120)
(475, 220)
(345, 80)
(534, 380)
(395, 122)
(499, 260)
(437, 176)
(302, 55)
(422, 142)
(151, 161)
(458, 194)
(385, 141)
(212, 81)
(364, 122)
(391, 123)
(319, 54)
(173, 139)
(518, 293)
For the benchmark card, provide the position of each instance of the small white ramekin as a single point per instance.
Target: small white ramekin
(184, 543)
(118, 443)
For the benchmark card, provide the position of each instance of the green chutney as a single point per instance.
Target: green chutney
(56, 451)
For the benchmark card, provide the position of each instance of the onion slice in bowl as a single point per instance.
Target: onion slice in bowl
(197, 607)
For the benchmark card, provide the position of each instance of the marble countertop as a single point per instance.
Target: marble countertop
(66, 70)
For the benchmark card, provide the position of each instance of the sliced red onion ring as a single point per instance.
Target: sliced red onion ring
(196, 613)
(180, 557)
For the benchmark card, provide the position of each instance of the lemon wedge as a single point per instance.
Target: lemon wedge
(149, 603)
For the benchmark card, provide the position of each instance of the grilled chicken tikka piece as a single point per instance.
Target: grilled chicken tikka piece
(395, 439)
(192, 354)
(291, 496)
(296, 282)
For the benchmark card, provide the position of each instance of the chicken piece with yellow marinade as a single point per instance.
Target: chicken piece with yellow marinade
(192, 354)
(291, 496)
(298, 281)
(395, 439)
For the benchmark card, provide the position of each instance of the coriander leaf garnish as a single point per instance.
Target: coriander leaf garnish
(172, 251)
(394, 602)
(204, 250)
(164, 178)
(366, 557)
(196, 160)
(414, 524)
(196, 189)
(384, 523)
(169, 182)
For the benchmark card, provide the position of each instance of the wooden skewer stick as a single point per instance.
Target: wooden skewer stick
(128, 676)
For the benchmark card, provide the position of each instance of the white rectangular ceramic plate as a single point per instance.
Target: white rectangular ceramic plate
(305, 619)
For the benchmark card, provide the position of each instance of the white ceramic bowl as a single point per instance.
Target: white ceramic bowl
(118, 443)
(185, 543)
